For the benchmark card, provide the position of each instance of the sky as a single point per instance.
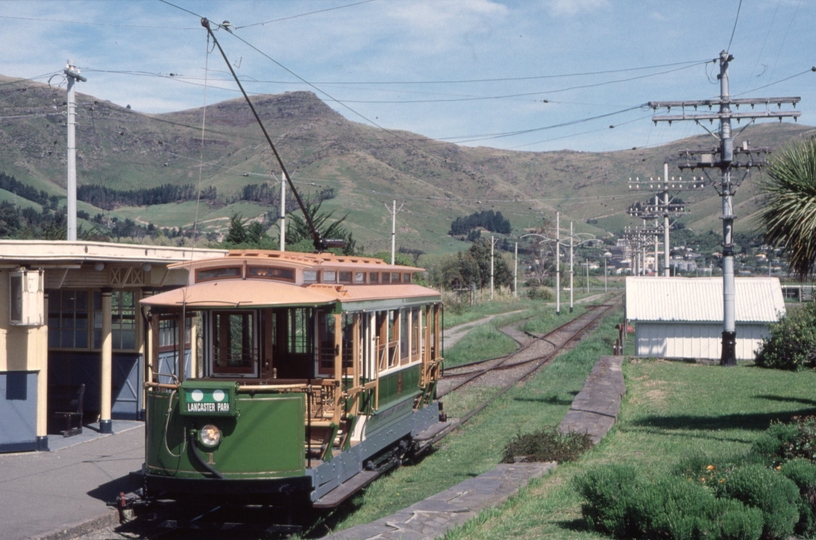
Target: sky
(527, 75)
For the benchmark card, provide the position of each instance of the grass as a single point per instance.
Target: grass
(477, 447)
(670, 410)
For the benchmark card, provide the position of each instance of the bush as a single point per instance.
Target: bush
(782, 442)
(618, 503)
(803, 473)
(792, 341)
(547, 444)
(769, 491)
(606, 492)
(543, 294)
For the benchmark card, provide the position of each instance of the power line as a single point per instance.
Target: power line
(736, 19)
(303, 14)
(87, 23)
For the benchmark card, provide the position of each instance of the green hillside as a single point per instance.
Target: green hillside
(435, 181)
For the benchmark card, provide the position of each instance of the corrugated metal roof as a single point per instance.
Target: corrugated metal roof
(701, 299)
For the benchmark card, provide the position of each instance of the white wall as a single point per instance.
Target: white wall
(690, 340)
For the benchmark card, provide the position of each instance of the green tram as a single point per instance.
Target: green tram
(275, 375)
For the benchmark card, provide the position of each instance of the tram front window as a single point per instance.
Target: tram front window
(234, 343)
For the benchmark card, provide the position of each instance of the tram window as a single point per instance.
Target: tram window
(395, 277)
(168, 334)
(359, 278)
(299, 330)
(272, 272)
(344, 277)
(404, 334)
(393, 336)
(329, 276)
(234, 349)
(218, 273)
(373, 277)
(310, 276)
(325, 335)
(414, 332)
(406, 278)
(386, 277)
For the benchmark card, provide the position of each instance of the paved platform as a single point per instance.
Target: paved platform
(61, 493)
(431, 517)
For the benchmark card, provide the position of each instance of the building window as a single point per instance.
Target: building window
(75, 319)
(68, 316)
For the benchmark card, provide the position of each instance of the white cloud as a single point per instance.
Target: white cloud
(569, 8)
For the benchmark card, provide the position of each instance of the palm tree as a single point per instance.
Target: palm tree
(789, 216)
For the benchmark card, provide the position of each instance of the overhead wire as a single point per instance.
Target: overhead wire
(304, 14)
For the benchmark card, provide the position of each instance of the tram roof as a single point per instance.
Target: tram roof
(263, 293)
(303, 260)
(240, 293)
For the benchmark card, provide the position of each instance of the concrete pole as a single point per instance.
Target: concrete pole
(70, 186)
(572, 273)
(729, 334)
(492, 245)
(106, 375)
(283, 213)
(666, 226)
(394, 229)
(606, 276)
(657, 242)
(558, 263)
(515, 272)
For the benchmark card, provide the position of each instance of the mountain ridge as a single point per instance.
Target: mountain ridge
(369, 167)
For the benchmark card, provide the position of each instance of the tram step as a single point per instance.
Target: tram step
(433, 431)
(346, 490)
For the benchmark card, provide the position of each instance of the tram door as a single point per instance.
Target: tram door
(325, 343)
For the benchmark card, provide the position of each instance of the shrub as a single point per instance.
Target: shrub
(618, 503)
(543, 294)
(803, 473)
(606, 492)
(769, 491)
(791, 343)
(547, 444)
(782, 442)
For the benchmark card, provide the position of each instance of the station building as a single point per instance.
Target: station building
(70, 315)
(683, 317)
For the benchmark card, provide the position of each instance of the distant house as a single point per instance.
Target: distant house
(683, 317)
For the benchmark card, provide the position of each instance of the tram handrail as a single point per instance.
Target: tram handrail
(166, 386)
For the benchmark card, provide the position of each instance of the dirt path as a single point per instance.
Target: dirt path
(453, 335)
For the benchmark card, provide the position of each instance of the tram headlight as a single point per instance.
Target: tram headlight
(210, 436)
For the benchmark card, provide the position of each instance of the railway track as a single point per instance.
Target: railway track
(507, 371)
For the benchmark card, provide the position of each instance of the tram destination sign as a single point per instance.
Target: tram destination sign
(207, 398)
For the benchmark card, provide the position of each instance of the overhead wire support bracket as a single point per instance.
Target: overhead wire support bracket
(320, 243)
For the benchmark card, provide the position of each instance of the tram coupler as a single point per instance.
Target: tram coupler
(126, 506)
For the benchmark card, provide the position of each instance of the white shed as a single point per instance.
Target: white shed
(683, 317)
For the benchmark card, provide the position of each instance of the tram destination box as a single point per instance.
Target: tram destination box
(208, 398)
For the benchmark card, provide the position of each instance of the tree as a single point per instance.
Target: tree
(789, 215)
(299, 236)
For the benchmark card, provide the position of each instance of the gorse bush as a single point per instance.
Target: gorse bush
(620, 503)
(791, 343)
(803, 473)
(782, 442)
(547, 444)
(769, 493)
(776, 496)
